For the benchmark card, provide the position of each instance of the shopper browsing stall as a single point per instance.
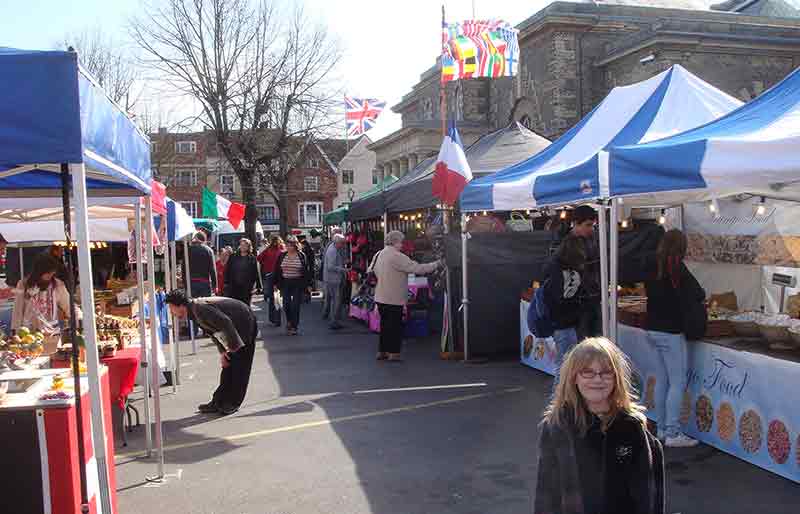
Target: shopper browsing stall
(333, 275)
(584, 219)
(233, 327)
(670, 296)
(564, 293)
(595, 454)
(224, 255)
(202, 267)
(391, 267)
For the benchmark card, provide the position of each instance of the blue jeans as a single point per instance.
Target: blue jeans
(565, 339)
(293, 291)
(674, 355)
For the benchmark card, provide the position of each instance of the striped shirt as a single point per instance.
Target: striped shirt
(292, 266)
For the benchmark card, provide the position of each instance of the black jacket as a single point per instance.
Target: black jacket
(565, 303)
(201, 264)
(664, 301)
(241, 273)
(278, 273)
(619, 471)
(232, 318)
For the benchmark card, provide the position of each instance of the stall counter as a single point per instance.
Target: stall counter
(40, 439)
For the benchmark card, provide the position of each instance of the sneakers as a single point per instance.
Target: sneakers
(680, 441)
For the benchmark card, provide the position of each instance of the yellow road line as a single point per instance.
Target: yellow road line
(324, 422)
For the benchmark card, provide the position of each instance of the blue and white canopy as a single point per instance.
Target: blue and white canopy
(53, 112)
(754, 149)
(568, 171)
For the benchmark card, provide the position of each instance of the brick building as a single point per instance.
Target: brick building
(574, 53)
(188, 162)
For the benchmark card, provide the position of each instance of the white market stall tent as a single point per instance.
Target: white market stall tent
(61, 137)
(569, 170)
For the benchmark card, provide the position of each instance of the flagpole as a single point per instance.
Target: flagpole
(446, 212)
(346, 138)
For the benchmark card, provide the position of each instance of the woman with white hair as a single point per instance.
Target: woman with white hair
(391, 267)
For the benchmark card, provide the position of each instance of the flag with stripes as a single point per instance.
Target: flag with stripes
(361, 114)
(479, 48)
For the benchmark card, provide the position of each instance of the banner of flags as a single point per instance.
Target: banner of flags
(479, 48)
(361, 114)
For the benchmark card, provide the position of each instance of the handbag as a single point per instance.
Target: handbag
(518, 223)
(372, 278)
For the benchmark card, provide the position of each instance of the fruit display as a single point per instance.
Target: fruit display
(108, 322)
(58, 383)
(24, 344)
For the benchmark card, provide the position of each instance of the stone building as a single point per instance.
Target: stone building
(574, 53)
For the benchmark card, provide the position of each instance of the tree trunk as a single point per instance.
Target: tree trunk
(250, 209)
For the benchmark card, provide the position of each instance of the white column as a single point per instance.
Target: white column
(78, 173)
(173, 284)
(155, 340)
(144, 353)
(603, 236)
(613, 272)
(464, 284)
(168, 265)
(413, 160)
(187, 280)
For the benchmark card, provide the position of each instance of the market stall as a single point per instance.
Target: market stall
(62, 140)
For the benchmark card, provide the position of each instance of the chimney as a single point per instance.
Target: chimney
(162, 130)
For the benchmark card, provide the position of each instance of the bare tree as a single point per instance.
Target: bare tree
(107, 61)
(262, 78)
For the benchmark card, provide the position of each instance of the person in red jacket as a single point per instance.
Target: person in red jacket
(267, 260)
(222, 261)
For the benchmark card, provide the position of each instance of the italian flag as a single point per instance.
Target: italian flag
(216, 206)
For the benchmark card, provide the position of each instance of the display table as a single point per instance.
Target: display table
(40, 442)
(739, 399)
(741, 402)
(122, 370)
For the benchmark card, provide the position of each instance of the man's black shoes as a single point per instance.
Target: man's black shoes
(208, 408)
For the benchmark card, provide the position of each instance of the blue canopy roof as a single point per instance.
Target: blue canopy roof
(569, 170)
(753, 149)
(53, 112)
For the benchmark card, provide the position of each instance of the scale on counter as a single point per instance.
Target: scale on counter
(783, 281)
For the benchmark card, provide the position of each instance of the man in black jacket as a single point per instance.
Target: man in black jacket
(202, 267)
(584, 219)
(233, 328)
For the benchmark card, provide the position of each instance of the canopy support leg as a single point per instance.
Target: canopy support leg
(614, 271)
(187, 280)
(602, 216)
(155, 340)
(464, 284)
(145, 351)
(90, 330)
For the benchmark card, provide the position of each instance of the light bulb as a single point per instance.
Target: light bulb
(712, 206)
(419, 225)
(624, 223)
(761, 210)
(485, 213)
(662, 218)
(528, 212)
(383, 224)
(563, 214)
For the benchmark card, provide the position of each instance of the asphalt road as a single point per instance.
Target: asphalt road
(326, 429)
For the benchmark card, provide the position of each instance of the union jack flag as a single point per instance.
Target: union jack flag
(361, 113)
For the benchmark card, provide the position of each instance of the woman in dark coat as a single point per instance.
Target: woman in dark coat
(595, 454)
(241, 273)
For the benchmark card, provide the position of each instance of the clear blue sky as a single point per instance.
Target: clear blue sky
(387, 43)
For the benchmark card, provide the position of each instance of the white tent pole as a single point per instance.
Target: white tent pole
(167, 283)
(613, 272)
(21, 265)
(603, 236)
(175, 328)
(144, 350)
(187, 280)
(464, 284)
(90, 330)
(155, 340)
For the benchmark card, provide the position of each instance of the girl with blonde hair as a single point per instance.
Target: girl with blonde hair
(595, 453)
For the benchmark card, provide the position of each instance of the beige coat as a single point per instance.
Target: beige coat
(392, 268)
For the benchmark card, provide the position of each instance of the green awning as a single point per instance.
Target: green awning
(336, 216)
(207, 224)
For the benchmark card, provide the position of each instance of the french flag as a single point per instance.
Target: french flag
(452, 169)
